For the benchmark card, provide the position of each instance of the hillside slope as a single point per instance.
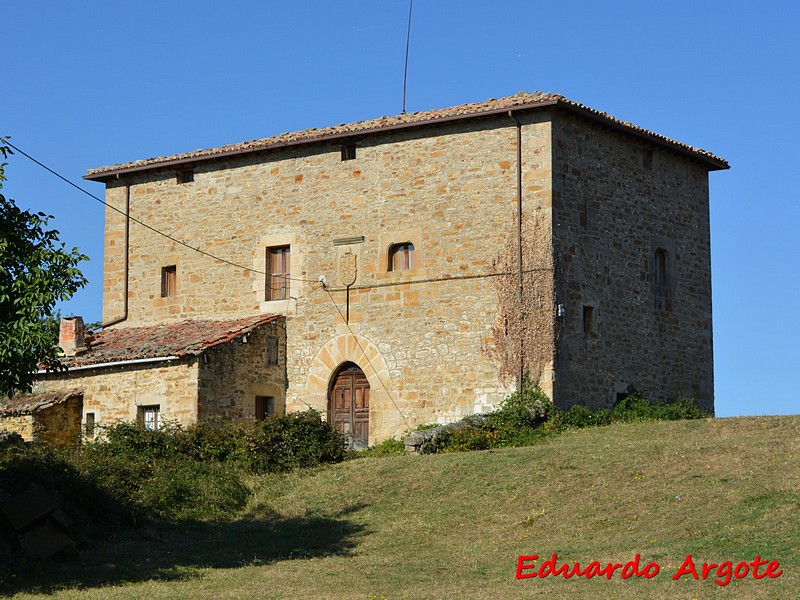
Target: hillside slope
(453, 526)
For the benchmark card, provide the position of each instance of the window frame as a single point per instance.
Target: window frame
(279, 265)
(264, 407)
(407, 250)
(169, 281)
(90, 424)
(185, 176)
(588, 319)
(348, 151)
(143, 411)
(662, 278)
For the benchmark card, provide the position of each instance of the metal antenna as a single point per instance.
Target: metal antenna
(408, 39)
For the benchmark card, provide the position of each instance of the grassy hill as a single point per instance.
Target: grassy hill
(452, 526)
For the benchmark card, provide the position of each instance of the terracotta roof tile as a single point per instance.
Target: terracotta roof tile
(520, 101)
(185, 338)
(25, 404)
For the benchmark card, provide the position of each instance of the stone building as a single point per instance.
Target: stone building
(424, 261)
(52, 418)
(179, 371)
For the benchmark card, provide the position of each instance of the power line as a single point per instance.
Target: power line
(437, 279)
(142, 223)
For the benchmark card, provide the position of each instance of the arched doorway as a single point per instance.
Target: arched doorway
(348, 403)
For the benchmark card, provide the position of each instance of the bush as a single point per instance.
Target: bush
(390, 447)
(210, 439)
(634, 407)
(291, 441)
(130, 473)
(581, 416)
(518, 422)
(527, 416)
(188, 489)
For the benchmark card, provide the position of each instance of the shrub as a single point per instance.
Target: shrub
(632, 408)
(581, 416)
(296, 440)
(189, 489)
(518, 422)
(528, 408)
(390, 447)
(210, 439)
(527, 416)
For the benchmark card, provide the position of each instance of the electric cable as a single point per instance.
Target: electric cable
(142, 223)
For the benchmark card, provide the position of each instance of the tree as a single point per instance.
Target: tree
(36, 271)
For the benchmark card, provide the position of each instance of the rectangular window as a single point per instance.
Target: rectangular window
(149, 417)
(265, 407)
(169, 281)
(662, 279)
(185, 176)
(278, 272)
(583, 216)
(348, 151)
(88, 426)
(272, 351)
(587, 321)
(647, 159)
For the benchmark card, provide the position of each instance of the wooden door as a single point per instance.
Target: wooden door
(348, 406)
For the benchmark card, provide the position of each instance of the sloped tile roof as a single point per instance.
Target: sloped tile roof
(186, 338)
(24, 404)
(520, 101)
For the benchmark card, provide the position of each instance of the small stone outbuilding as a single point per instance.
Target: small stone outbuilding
(180, 372)
(52, 417)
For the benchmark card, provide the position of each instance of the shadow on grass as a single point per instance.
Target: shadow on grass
(180, 551)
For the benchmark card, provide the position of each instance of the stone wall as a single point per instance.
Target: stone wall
(424, 337)
(617, 200)
(59, 425)
(116, 393)
(232, 375)
(22, 424)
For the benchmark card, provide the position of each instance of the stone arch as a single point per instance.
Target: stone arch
(384, 418)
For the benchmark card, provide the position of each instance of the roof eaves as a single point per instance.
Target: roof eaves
(385, 124)
(37, 402)
(104, 173)
(714, 161)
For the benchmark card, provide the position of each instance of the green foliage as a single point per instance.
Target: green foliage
(518, 422)
(36, 272)
(528, 408)
(390, 447)
(426, 426)
(296, 440)
(580, 416)
(525, 417)
(634, 407)
(62, 476)
(133, 475)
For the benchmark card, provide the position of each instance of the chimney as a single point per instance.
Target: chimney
(71, 334)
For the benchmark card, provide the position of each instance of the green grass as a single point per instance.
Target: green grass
(452, 525)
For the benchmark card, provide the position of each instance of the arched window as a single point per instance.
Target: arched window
(661, 267)
(401, 256)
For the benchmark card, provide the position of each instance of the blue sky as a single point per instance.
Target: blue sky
(87, 84)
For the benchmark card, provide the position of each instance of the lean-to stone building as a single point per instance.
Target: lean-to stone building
(411, 291)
